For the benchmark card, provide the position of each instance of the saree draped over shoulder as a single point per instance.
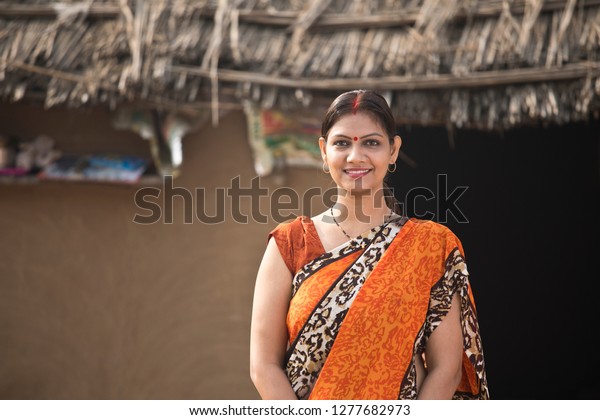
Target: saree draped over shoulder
(361, 314)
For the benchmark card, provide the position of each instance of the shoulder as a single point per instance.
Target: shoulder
(430, 227)
(291, 227)
(296, 241)
(435, 234)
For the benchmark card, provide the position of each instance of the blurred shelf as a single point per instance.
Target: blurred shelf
(144, 181)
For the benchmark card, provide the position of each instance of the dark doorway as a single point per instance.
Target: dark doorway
(531, 245)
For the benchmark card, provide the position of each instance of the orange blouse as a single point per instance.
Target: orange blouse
(298, 242)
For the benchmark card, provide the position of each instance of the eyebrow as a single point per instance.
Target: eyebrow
(366, 135)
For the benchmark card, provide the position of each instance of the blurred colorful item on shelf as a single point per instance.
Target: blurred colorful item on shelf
(101, 167)
(36, 155)
(66, 167)
(12, 172)
(131, 163)
(20, 158)
(44, 152)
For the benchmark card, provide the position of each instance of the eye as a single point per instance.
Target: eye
(341, 143)
(372, 142)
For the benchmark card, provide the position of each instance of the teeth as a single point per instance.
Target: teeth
(363, 171)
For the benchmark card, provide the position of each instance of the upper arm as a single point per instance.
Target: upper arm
(272, 293)
(444, 348)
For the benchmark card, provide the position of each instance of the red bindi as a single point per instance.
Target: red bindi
(355, 138)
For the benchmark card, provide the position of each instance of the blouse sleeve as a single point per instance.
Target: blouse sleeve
(297, 242)
(282, 236)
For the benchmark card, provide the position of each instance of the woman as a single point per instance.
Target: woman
(360, 302)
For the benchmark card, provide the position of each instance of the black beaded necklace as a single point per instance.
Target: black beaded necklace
(342, 229)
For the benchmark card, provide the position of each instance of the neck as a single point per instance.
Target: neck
(368, 208)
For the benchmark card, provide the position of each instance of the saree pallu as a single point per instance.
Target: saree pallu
(360, 314)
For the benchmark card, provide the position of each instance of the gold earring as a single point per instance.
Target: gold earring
(325, 169)
(392, 170)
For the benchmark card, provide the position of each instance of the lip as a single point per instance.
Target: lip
(356, 173)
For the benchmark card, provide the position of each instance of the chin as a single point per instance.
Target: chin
(367, 188)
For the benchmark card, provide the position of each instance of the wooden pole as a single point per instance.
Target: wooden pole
(433, 82)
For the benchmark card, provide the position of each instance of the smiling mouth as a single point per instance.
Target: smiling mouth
(356, 173)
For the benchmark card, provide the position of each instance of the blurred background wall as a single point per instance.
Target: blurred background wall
(95, 306)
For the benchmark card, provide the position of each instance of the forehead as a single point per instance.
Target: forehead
(356, 125)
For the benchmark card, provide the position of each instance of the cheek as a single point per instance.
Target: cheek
(382, 159)
(334, 158)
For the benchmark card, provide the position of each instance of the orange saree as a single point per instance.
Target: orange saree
(361, 313)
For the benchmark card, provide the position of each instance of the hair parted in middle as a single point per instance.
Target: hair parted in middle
(366, 101)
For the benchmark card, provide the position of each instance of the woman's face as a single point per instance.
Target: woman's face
(358, 152)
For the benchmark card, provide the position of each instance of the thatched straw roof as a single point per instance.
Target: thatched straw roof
(486, 63)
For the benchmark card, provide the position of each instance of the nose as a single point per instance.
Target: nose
(355, 154)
